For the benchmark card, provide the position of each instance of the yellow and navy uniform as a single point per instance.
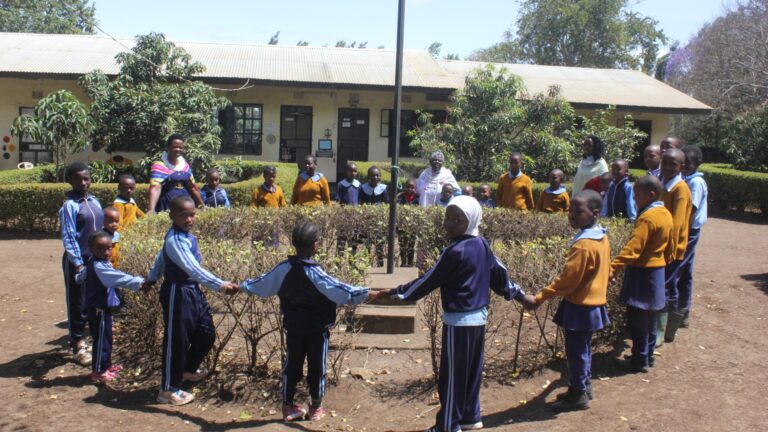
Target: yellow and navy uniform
(515, 191)
(676, 197)
(129, 212)
(649, 245)
(553, 201)
(311, 191)
(271, 197)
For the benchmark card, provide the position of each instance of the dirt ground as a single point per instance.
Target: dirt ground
(711, 379)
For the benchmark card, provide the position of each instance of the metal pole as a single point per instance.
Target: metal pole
(396, 131)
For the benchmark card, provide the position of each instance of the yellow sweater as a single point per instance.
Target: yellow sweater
(649, 245)
(265, 198)
(553, 203)
(678, 201)
(516, 193)
(129, 212)
(311, 193)
(584, 279)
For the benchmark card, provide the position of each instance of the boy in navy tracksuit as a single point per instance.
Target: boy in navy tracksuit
(80, 216)
(308, 299)
(348, 190)
(212, 194)
(619, 200)
(464, 273)
(189, 331)
(101, 283)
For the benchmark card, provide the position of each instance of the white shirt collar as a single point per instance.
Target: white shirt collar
(668, 185)
(180, 163)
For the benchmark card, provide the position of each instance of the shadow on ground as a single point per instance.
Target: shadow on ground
(759, 280)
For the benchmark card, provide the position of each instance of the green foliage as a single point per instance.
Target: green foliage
(619, 142)
(747, 140)
(47, 16)
(733, 189)
(38, 174)
(60, 122)
(153, 96)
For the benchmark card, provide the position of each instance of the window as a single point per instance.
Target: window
(29, 150)
(242, 129)
(409, 120)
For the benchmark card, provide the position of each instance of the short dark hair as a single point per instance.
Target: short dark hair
(212, 170)
(97, 235)
(593, 199)
(173, 138)
(598, 147)
(373, 168)
(309, 156)
(110, 209)
(351, 164)
(674, 152)
(516, 154)
(304, 235)
(179, 201)
(126, 176)
(269, 169)
(693, 154)
(649, 183)
(75, 167)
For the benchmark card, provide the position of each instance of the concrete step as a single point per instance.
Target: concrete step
(377, 279)
(386, 319)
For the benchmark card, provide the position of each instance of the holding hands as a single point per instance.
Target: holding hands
(529, 302)
(380, 294)
(229, 288)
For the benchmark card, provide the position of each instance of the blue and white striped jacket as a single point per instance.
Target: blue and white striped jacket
(80, 215)
(179, 262)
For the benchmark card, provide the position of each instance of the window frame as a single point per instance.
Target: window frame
(229, 142)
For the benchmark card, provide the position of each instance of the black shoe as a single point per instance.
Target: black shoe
(685, 323)
(632, 367)
(574, 400)
(562, 395)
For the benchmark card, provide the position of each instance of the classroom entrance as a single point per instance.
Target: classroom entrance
(353, 137)
(645, 126)
(295, 133)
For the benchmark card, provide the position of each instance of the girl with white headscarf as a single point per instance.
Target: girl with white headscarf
(466, 272)
(431, 181)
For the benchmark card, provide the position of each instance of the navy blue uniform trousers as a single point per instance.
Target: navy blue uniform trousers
(313, 347)
(100, 322)
(685, 284)
(189, 332)
(642, 329)
(76, 319)
(460, 376)
(578, 351)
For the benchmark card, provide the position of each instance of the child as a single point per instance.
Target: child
(311, 188)
(554, 198)
(699, 192)
(618, 200)
(583, 284)
(464, 273)
(652, 159)
(408, 195)
(348, 190)
(446, 194)
(373, 192)
(515, 189)
(80, 216)
(101, 283)
(125, 204)
(268, 194)
(308, 299)
(188, 332)
(111, 224)
(468, 190)
(670, 142)
(677, 199)
(212, 194)
(644, 258)
(486, 198)
(600, 183)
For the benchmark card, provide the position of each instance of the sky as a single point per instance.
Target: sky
(462, 26)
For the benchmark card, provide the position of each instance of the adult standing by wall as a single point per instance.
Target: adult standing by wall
(592, 163)
(171, 177)
(431, 181)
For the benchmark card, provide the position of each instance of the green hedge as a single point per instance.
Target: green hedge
(732, 189)
(38, 174)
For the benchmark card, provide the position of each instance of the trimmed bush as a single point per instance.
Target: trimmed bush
(38, 174)
(732, 189)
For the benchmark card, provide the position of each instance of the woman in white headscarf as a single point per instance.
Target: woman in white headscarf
(592, 164)
(431, 181)
(466, 272)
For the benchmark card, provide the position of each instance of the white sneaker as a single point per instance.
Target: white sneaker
(178, 397)
(195, 376)
(472, 426)
(83, 357)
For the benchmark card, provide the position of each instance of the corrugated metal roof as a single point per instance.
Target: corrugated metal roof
(24, 53)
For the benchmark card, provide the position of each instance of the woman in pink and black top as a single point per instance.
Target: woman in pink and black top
(171, 177)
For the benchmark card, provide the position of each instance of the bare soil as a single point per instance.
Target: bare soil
(711, 379)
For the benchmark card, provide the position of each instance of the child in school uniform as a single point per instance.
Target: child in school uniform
(408, 196)
(486, 197)
(644, 259)
(212, 194)
(80, 216)
(583, 284)
(466, 272)
(652, 160)
(468, 190)
(308, 300)
(188, 332)
(268, 194)
(677, 199)
(515, 189)
(618, 200)
(407, 241)
(101, 281)
(374, 191)
(554, 198)
(446, 194)
(348, 189)
(699, 192)
(111, 224)
(311, 187)
(125, 204)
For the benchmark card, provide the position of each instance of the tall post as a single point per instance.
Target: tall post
(396, 131)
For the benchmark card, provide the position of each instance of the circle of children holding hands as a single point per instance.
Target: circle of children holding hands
(668, 208)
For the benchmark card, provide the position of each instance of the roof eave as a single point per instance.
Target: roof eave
(643, 109)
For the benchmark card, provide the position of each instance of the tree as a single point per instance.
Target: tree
(747, 140)
(60, 122)
(47, 16)
(586, 33)
(274, 39)
(434, 49)
(302, 43)
(152, 96)
(452, 56)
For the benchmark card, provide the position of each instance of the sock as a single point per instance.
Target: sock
(316, 403)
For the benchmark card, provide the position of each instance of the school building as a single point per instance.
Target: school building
(333, 102)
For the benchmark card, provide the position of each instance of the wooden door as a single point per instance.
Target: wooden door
(295, 133)
(353, 137)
